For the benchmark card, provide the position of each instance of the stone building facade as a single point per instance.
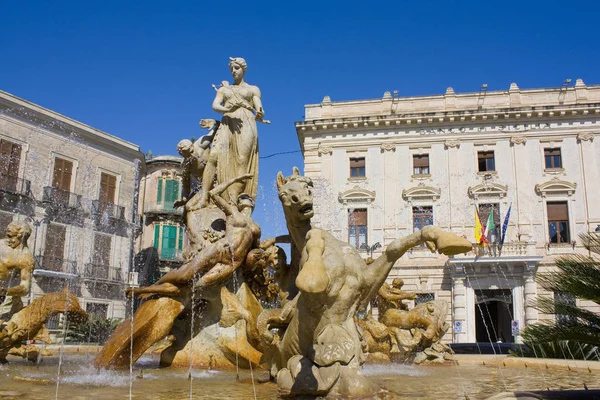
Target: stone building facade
(159, 248)
(77, 186)
(386, 167)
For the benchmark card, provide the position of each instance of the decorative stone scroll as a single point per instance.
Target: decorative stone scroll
(324, 149)
(584, 137)
(451, 143)
(388, 147)
(515, 140)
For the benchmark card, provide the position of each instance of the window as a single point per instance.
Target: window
(568, 300)
(98, 310)
(357, 167)
(102, 249)
(422, 216)
(108, 188)
(421, 164)
(484, 211)
(486, 161)
(558, 222)
(167, 192)
(63, 171)
(553, 158)
(10, 158)
(168, 239)
(357, 227)
(424, 298)
(54, 249)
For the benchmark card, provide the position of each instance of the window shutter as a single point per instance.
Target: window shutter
(558, 212)
(55, 241)
(159, 191)
(180, 244)
(358, 217)
(171, 191)
(421, 160)
(357, 162)
(63, 171)
(156, 235)
(108, 188)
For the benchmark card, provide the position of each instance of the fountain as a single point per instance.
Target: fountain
(317, 339)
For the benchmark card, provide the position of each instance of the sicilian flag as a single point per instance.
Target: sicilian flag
(505, 226)
(479, 236)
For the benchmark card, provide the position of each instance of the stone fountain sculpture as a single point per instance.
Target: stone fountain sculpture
(219, 191)
(18, 323)
(322, 348)
(401, 335)
(311, 344)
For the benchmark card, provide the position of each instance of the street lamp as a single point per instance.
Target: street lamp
(370, 249)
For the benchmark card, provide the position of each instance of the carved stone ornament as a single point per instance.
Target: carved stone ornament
(356, 195)
(324, 149)
(488, 190)
(421, 192)
(556, 187)
(584, 137)
(514, 140)
(450, 143)
(388, 146)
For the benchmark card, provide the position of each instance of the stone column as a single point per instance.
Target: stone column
(459, 303)
(531, 314)
(454, 191)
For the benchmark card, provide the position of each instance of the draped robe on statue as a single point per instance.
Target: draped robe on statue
(237, 142)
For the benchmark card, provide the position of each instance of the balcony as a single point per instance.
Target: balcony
(55, 266)
(61, 198)
(162, 208)
(102, 273)
(170, 255)
(15, 195)
(15, 185)
(100, 208)
(510, 249)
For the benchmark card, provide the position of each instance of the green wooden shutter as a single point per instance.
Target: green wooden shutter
(180, 244)
(169, 242)
(171, 191)
(156, 235)
(159, 191)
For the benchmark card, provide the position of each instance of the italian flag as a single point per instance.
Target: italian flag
(489, 226)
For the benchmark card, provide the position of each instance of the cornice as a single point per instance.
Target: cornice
(452, 118)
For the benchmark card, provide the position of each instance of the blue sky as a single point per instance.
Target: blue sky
(143, 70)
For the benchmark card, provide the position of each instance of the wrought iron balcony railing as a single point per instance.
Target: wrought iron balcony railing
(170, 255)
(61, 197)
(56, 264)
(14, 184)
(102, 272)
(112, 210)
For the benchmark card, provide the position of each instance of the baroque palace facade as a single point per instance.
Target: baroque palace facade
(386, 167)
(77, 186)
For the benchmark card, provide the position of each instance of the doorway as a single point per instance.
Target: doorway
(493, 310)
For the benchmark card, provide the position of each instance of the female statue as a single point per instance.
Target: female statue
(235, 148)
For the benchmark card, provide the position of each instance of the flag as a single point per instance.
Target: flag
(479, 237)
(489, 226)
(505, 226)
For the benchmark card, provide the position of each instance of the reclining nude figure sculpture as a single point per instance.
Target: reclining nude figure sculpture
(322, 348)
(213, 265)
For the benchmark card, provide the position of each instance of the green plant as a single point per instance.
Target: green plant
(576, 334)
(94, 330)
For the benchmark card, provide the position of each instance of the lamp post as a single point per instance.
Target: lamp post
(370, 249)
(36, 223)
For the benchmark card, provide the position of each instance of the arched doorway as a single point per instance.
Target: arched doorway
(493, 310)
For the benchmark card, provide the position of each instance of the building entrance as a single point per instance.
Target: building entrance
(493, 310)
